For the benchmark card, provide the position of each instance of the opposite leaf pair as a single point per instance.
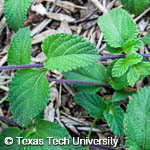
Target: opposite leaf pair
(29, 90)
(120, 33)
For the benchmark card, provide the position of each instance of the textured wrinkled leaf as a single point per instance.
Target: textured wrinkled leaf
(143, 68)
(66, 52)
(120, 83)
(114, 50)
(133, 59)
(138, 120)
(41, 130)
(121, 66)
(28, 94)
(146, 39)
(115, 120)
(132, 76)
(50, 129)
(117, 27)
(135, 6)
(120, 95)
(94, 73)
(44, 129)
(15, 12)
(132, 45)
(117, 83)
(92, 103)
(19, 52)
(13, 133)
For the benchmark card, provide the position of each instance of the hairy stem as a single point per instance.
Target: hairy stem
(78, 82)
(21, 66)
(102, 58)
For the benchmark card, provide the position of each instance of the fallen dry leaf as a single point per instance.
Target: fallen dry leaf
(60, 17)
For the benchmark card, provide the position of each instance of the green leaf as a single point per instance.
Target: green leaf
(115, 119)
(39, 133)
(19, 52)
(13, 133)
(94, 73)
(15, 12)
(114, 50)
(66, 52)
(120, 95)
(138, 120)
(132, 45)
(117, 27)
(135, 6)
(143, 68)
(132, 76)
(93, 104)
(146, 39)
(133, 58)
(50, 129)
(117, 83)
(121, 66)
(28, 95)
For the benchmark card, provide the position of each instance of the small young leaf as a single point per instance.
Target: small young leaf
(15, 12)
(121, 66)
(133, 58)
(28, 95)
(115, 119)
(132, 76)
(118, 27)
(13, 133)
(138, 120)
(135, 6)
(19, 52)
(93, 104)
(117, 83)
(120, 95)
(94, 73)
(66, 52)
(146, 39)
(143, 68)
(132, 45)
(114, 50)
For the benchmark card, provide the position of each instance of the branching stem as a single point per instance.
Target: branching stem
(102, 58)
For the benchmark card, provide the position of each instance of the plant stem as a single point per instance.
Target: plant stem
(21, 66)
(3, 124)
(78, 82)
(3, 99)
(90, 131)
(102, 58)
(92, 126)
